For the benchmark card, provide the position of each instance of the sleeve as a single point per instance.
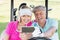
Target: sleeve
(54, 24)
(29, 24)
(34, 24)
(8, 29)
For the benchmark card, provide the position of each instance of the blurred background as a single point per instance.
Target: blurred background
(5, 10)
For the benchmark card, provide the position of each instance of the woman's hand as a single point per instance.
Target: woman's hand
(29, 35)
(25, 36)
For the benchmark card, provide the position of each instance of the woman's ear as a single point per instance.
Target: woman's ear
(20, 19)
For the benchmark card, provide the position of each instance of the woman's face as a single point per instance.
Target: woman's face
(25, 18)
(40, 15)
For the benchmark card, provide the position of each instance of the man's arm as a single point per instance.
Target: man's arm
(50, 32)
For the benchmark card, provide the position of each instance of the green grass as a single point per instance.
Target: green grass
(2, 26)
(59, 28)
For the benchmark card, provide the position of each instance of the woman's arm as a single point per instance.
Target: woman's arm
(25, 36)
(6, 37)
(8, 30)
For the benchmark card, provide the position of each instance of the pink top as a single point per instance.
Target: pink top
(11, 30)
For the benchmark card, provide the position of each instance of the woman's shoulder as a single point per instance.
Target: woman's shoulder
(11, 26)
(12, 22)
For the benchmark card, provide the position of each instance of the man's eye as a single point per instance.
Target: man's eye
(36, 14)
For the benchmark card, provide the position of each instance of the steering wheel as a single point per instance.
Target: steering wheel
(39, 38)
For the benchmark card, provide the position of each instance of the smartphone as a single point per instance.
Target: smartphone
(28, 29)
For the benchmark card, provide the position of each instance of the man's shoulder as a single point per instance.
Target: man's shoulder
(51, 20)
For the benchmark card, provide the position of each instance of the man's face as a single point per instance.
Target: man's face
(40, 15)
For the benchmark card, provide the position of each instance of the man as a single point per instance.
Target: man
(48, 27)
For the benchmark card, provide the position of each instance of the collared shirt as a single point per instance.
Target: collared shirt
(49, 23)
(11, 30)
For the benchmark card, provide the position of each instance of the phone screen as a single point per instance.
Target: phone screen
(28, 29)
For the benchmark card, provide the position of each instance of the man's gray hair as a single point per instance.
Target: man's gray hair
(41, 8)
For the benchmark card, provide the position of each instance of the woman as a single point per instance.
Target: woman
(14, 28)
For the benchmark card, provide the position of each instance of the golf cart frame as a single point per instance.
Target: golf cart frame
(13, 11)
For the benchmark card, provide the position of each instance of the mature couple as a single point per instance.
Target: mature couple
(44, 27)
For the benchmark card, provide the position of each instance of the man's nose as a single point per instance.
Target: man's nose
(38, 16)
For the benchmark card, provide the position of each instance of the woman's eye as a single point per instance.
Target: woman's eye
(28, 16)
(23, 15)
